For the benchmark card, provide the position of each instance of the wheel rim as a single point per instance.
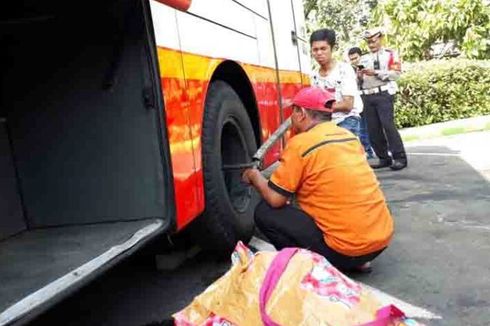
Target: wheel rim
(234, 151)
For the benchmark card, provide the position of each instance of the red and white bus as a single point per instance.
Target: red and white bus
(116, 119)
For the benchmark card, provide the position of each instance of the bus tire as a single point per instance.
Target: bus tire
(227, 138)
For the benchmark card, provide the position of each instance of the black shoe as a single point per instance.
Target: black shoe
(380, 163)
(399, 164)
(362, 269)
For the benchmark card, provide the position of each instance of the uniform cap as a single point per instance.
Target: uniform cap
(315, 98)
(373, 32)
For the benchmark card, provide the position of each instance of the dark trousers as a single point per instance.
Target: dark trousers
(379, 112)
(289, 226)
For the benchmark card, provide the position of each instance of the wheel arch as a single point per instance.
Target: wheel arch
(233, 74)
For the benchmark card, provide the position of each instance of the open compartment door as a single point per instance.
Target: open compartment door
(86, 162)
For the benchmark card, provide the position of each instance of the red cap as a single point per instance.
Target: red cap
(315, 98)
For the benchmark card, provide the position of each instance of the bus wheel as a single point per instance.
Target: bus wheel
(227, 139)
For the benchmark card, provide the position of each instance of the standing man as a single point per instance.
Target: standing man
(338, 77)
(381, 69)
(342, 212)
(355, 54)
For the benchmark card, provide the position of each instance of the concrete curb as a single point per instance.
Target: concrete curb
(446, 128)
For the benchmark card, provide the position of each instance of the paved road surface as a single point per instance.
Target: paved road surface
(439, 259)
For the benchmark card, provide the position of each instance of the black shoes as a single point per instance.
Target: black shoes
(399, 164)
(380, 163)
(395, 165)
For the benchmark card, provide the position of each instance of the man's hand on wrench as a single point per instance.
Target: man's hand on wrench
(249, 174)
(259, 182)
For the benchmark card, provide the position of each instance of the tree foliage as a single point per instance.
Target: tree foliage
(347, 18)
(415, 25)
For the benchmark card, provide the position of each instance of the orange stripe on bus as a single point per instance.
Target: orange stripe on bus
(199, 67)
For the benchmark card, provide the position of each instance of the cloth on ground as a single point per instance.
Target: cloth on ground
(290, 287)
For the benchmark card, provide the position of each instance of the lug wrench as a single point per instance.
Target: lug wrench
(258, 157)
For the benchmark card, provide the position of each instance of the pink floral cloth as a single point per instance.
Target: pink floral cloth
(326, 281)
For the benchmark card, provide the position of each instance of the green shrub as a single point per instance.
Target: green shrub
(442, 90)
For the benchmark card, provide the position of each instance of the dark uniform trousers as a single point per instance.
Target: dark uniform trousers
(289, 226)
(379, 113)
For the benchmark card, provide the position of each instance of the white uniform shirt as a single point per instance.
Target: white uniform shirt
(343, 79)
(386, 63)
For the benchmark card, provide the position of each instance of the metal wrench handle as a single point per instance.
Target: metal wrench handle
(276, 135)
(260, 153)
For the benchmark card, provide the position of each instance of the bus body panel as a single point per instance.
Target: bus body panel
(191, 45)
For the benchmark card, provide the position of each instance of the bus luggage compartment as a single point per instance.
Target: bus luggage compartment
(83, 152)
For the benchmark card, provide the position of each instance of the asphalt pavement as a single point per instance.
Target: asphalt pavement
(439, 258)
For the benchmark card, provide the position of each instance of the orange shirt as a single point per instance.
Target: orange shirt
(327, 170)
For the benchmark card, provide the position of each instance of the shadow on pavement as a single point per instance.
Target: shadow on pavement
(135, 293)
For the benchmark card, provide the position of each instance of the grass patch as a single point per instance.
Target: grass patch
(411, 138)
(453, 131)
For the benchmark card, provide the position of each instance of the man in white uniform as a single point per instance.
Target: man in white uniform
(381, 69)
